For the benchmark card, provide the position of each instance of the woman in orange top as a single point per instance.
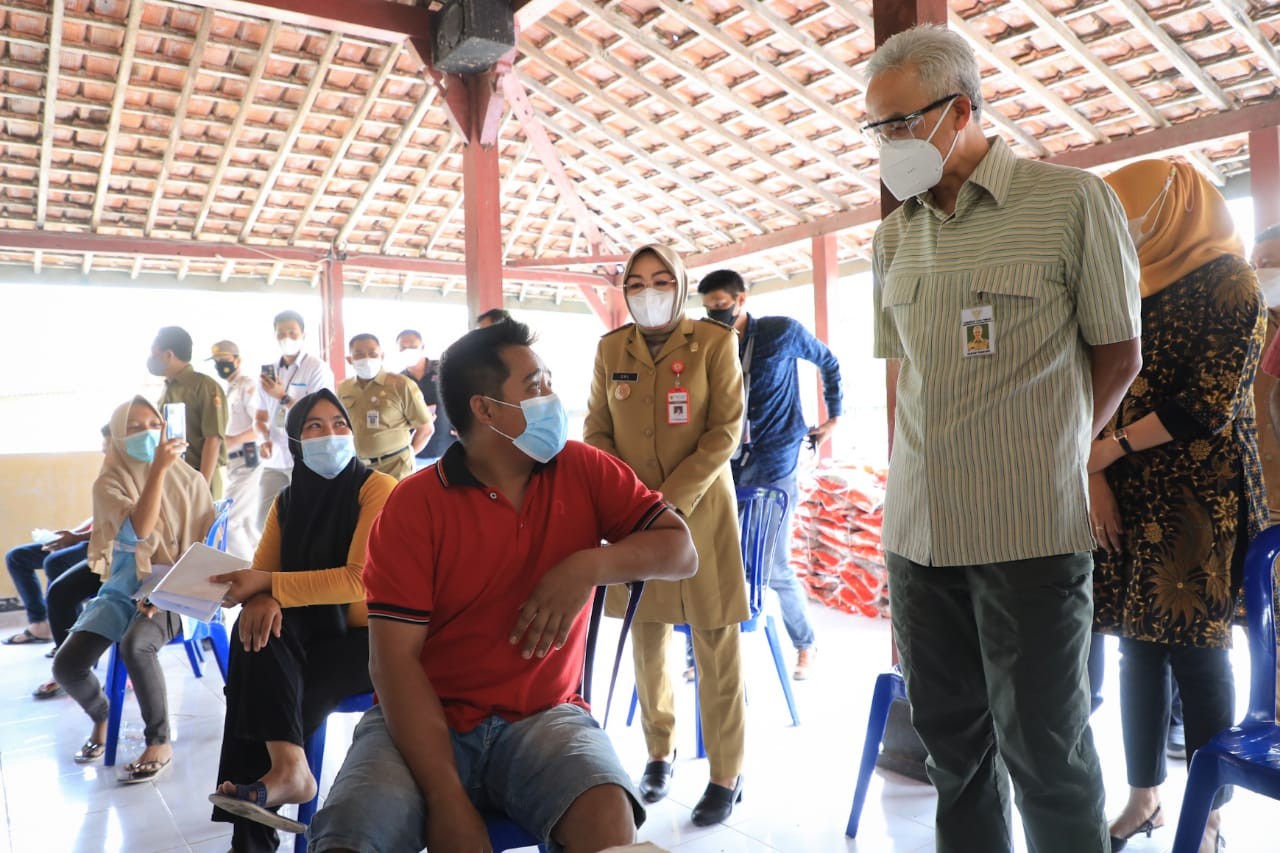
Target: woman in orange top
(304, 638)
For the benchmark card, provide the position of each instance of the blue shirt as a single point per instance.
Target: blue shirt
(774, 412)
(109, 613)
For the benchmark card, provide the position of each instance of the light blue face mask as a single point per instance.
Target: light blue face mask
(546, 427)
(142, 445)
(328, 455)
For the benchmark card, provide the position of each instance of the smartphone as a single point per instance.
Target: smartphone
(250, 454)
(269, 371)
(175, 420)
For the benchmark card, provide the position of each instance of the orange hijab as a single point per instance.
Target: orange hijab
(1179, 220)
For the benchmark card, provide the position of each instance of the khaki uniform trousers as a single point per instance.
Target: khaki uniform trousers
(399, 466)
(721, 697)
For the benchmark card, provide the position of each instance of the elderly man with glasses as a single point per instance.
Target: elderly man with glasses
(986, 517)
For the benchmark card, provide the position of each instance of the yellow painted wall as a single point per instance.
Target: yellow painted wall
(43, 490)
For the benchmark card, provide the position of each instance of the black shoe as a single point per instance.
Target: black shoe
(656, 780)
(717, 803)
(1147, 827)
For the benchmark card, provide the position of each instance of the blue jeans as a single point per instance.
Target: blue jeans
(778, 574)
(531, 770)
(25, 560)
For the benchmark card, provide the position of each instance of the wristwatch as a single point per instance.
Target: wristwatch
(286, 400)
(1122, 438)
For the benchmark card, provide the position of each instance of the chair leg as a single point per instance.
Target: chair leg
(315, 760)
(771, 632)
(116, 677)
(697, 715)
(635, 701)
(889, 686)
(221, 648)
(193, 655)
(1204, 780)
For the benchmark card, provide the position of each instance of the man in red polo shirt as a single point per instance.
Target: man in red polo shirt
(480, 571)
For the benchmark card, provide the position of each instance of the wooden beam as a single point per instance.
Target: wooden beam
(123, 72)
(179, 117)
(237, 124)
(49, 119)
(374, 186)
(1264, 176)
(428, 174)
(291, 135)
(1171, 51)
(332, 343)
(379, 20)
(826, 274)
(893, 16)
(1236, 14)
(546, 152)
(530, 12)
(482, 212)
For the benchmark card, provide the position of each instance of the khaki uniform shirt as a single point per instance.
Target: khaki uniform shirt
(629, 416)
(206, 412)
(384, 413)
(990, 448)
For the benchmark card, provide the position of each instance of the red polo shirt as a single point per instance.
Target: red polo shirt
(450, 552)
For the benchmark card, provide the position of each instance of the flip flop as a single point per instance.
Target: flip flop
(136, 772)
(89, 752)
(244, 803)
(43, 691)
(26, 638)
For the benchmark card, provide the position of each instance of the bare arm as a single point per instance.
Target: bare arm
(665, 550)
(1113, 367)
(416, 721)
(209, 457)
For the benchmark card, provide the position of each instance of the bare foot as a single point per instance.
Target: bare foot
(160, 753)
(289, 784)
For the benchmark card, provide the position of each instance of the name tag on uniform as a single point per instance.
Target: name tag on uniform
(371, 419)
(281, 415)
(677, 406)
(626, 377)
(977, 331)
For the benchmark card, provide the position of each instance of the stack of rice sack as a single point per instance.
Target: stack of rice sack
(836, 549)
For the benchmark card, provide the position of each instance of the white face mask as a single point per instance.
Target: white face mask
(909, 167)
(1269, 281)
(651, 308)
(1136, 232)
(410, 357)
(367, 368)
(290, 346)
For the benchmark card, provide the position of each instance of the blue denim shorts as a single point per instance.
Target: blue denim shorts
(531, 771)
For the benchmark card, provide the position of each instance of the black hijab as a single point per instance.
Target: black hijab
(318, 516)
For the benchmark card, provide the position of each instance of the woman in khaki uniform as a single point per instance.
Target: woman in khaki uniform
(667, 399)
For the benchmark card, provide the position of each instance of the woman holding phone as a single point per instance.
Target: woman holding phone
(148, 507)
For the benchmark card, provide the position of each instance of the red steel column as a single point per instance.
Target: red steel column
(332, 341)
(825, 274)
(1264, 176)
(481, 207)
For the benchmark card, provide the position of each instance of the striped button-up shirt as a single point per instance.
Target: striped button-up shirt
(989, 449)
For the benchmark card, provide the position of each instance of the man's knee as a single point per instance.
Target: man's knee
(600, 815)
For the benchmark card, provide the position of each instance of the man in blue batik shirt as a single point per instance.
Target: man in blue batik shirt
(775, 427)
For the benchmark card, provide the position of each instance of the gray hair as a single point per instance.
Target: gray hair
(942, 60)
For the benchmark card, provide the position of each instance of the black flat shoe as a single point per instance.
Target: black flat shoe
(717, 803)
(1146, 827)
(656, 780)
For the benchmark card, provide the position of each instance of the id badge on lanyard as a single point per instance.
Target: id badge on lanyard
(677, 399)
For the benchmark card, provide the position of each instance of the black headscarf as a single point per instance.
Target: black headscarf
(318, 516)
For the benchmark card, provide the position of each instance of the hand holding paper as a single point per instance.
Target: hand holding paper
(242, 585)
(186, 589)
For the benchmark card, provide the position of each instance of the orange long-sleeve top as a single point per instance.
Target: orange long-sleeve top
(338, 585)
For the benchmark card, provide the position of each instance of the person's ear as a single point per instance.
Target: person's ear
(481, 409)
(963, 108)
(349, 361)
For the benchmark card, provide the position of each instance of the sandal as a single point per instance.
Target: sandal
(48, 690)
(244, 803)
(26, 638)
(89, 752)
(142, 771)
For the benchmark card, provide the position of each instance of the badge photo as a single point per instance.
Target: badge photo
(677, 407)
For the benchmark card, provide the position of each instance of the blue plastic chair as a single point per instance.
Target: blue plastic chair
(889, 688)
(1247, 755)
(214, 631)
(761, 512)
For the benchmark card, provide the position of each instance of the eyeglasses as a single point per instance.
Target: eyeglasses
(901, 127)
(635, 285)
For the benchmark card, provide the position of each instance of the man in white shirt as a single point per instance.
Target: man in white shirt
(244, 471)
(293, 377)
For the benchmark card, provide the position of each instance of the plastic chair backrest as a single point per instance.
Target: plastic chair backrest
(1259, 598)
(761, 510)
(217, 537)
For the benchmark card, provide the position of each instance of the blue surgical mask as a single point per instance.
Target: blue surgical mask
(546, 427)
(328, 455)
(142, 445)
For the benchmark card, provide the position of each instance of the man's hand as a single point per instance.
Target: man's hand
(273, 388)
(65, 540)
(546, 617)
(245, 584)
(265, 450)
(260, 620)
(821, 434)
(1104, 515)
(454, 824)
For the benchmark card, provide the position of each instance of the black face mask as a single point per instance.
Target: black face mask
(225, 368)
(724, 315)
(155, 365)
